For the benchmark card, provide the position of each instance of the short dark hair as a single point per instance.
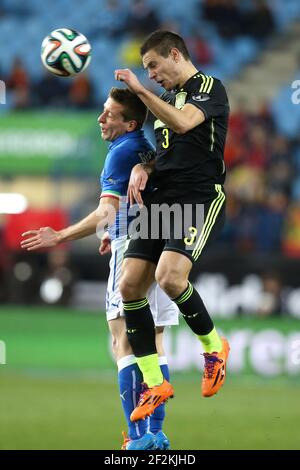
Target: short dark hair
(133, 108)
(162, 42)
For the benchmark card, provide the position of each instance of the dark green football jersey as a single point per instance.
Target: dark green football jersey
(197, 157)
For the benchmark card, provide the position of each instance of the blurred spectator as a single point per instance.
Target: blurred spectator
(247, 183)
(239, 121)
(246, 225)
(109, 21)
(279, 176)
(269, 223)
(81, 92)
(271, 302)
(18, 82)
(258, 151)
(291, 237)
(51, 91)
(130, 52)
(281, 169)
(225, 15)
(264, 118)
(199, 49)
(3, 10)
(228, 237)
(141, 19)
(235, 149)
(259, 22)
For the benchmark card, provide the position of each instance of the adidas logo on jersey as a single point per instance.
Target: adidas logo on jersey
(201, 97)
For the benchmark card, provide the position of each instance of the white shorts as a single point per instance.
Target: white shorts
(164, 311)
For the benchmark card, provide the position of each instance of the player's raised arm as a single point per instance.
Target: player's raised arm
(47, 237)
(179, 120)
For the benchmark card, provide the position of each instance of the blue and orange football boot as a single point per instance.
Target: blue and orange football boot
(151, 398)
(215, 370)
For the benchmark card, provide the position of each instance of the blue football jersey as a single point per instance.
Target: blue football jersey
(123, 154)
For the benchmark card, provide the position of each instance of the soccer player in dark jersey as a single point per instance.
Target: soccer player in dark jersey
(189, 170)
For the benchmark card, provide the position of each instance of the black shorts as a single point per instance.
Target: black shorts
(184, 225)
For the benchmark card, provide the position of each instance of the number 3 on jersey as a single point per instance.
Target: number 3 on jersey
(165, 133)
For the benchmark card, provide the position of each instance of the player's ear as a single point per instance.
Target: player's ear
(131, 126)
(175, 54)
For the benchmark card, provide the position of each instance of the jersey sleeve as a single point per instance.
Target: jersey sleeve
(115, 175)
(119, 163)
(209, 95)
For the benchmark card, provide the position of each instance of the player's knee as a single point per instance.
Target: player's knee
(127, 288)
(131, 288)
(171, 282)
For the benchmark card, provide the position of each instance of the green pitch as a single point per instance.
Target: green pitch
(58, 390)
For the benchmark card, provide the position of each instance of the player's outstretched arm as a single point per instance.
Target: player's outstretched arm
(44, 237)
(47, 237)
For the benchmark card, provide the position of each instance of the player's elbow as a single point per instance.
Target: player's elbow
(187, 121)
(180, 129)
(183, 127)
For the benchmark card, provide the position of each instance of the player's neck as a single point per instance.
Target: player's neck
(188, 71)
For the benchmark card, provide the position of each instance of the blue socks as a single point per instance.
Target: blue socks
(157, 419)
(130, 378)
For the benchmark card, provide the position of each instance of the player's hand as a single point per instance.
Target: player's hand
(105, 245)
(45, 237)
(131, 80)
(137, 183)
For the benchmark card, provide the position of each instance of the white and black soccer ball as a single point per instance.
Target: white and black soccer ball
(65, 52)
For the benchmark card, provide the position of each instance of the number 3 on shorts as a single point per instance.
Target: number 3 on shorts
(165, 132)
(193, 233)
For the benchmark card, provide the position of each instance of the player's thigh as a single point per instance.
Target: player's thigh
(201, 223)
(173, 271)
(137, 275)
(113, 296)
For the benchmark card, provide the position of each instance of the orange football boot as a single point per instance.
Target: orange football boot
(150, 399)
(215, 370)
(126, 440)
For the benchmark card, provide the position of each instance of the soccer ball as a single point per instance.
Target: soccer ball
(65, 52)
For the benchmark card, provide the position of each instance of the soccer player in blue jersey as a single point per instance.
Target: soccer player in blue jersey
(121, 124)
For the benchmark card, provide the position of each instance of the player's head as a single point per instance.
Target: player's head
(123, 112)
(163, 54)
